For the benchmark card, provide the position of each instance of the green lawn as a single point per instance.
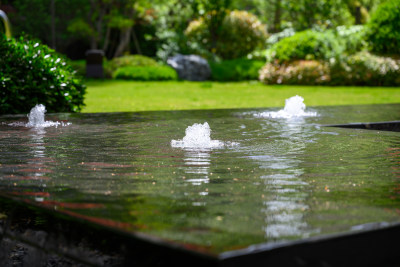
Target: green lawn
(113, 96)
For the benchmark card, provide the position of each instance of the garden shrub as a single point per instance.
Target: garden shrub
(132, 60)
(112, 67)
(307, 44)
(32, 73)
(301, 72)
(236, 70)
(146, 73)
(383, 32)
(241, 32)
(366, 69)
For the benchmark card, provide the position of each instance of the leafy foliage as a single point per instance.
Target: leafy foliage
(146, 73)
(383, 28)
(236, 70)
(241, 32)
(31, 73)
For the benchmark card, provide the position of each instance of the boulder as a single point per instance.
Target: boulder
(190, 67)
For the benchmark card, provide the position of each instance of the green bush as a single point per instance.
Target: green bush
(241, 32)
(132, 60)
(301, 72)
(366, 69)
(110, 67)
(148, 73)
(236, 70)
(31, 73)
(384, 28)
(307, 44)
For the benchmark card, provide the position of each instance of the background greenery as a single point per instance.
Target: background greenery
(305, 42)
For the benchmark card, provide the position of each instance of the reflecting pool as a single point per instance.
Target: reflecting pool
(278, 179)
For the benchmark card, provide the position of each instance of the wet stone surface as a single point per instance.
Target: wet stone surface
(274, 179)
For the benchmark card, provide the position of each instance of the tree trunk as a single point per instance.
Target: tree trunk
(53, 23)
(277, 16)
(124, 42)
(106, 39)
(136, 42)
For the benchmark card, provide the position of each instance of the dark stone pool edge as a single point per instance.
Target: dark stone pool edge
(54, 235)
(44, 235)
(393, 126)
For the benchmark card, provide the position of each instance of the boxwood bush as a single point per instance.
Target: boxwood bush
(32, 73)
(307, 44)
(146, 73)
(236, 70)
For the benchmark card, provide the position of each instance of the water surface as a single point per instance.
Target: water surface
(284, 179)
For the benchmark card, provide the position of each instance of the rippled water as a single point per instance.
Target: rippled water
(285, 179)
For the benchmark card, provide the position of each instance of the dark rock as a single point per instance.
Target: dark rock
(190, 67)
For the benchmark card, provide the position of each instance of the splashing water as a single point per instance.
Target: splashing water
(36, 119)
(36, 116)
(294, 107)
(197, 136)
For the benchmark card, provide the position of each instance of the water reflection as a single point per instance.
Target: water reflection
(285, 193)
(197, 166)
(39, 160)
(197, 172)
(36, 137)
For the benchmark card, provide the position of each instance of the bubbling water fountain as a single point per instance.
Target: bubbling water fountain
(36, 119)
(36, 116)
(294, 107)
(197, 136)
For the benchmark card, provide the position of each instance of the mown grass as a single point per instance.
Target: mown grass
(115, 96)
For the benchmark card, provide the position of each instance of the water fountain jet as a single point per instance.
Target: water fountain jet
(197, 136)
(294, 108)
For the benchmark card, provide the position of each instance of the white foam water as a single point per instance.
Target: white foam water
(294, 107)
(198, 136)
(36, 119)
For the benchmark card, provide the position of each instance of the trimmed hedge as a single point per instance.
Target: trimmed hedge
(148, 73)
(32, 73)
(132, 60)
(236, 70)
